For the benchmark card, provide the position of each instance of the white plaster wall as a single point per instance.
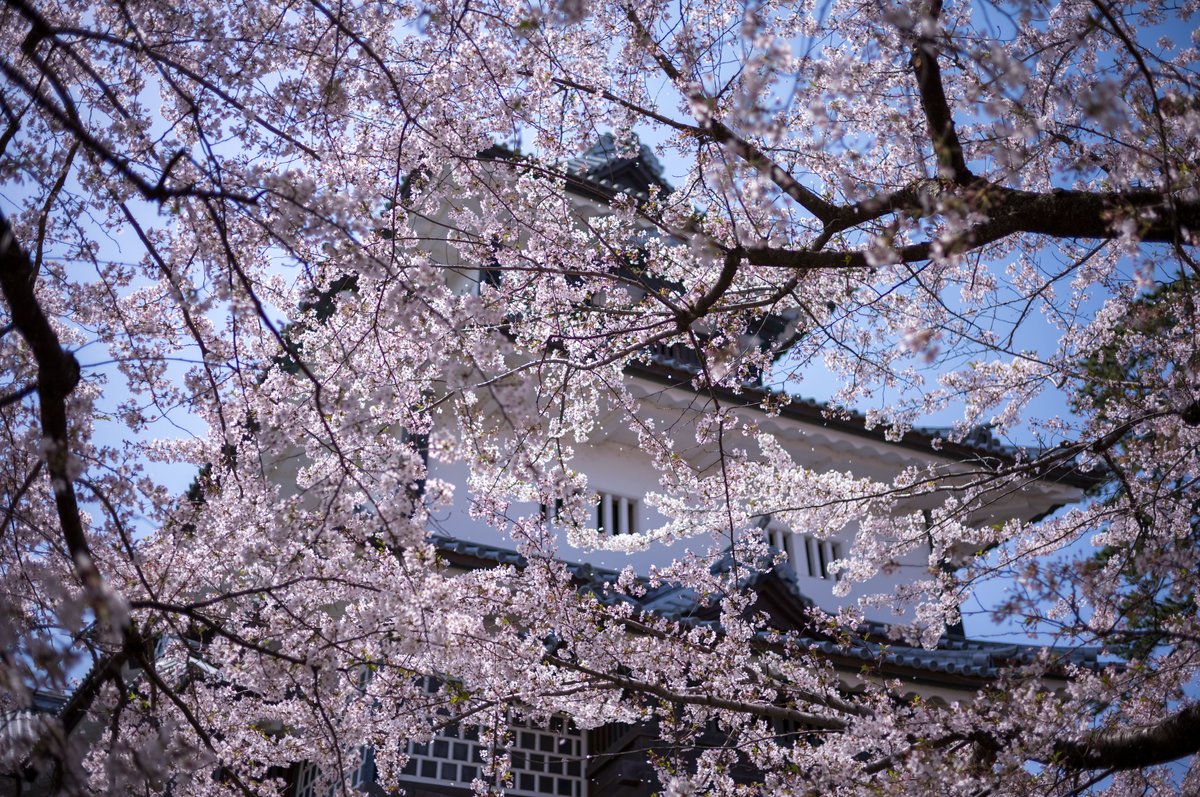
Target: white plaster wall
(614, 463)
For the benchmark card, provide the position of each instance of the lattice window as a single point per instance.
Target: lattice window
(364, 774)
(306, 780)
(305, 783)
(546, 759)
(453, 757)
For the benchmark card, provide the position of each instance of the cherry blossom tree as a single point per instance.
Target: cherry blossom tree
(258, 220)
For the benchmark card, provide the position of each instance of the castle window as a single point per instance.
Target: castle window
(783, 541)
(819, 554)
(546, 758)
(612, 514)
(615, 514)
(305, 783)
(808, 555)
(552, 512)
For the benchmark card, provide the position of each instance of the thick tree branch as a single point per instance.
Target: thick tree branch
(766, 710)
(1057, 214)
(58, 374)
(877, 207)
(946, 145)
(729, 268)
(1134, 748)
(17, 395)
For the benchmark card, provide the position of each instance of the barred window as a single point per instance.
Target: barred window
(613, 514)
(808, 555)
(306, 780)
(616, 514)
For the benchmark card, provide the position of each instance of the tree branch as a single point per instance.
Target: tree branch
(1134, 748)
(684, 317)
(58, 374)
(766, 710)
(718, 131)
(1057, 214)
(946, 145)
(16, 395)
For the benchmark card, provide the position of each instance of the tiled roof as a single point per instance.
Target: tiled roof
(954, 655)
(21, 728)
(979, 445)
(19, 732)
(603, 171)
